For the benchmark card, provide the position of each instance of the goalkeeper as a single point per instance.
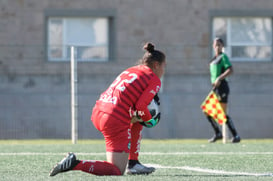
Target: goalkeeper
(118, 113)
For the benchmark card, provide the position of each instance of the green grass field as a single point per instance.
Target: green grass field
(31, 160)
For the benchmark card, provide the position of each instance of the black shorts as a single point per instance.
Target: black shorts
(223, 91)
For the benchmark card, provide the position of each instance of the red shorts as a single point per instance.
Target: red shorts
(117, 134)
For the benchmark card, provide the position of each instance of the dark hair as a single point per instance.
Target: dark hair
(219, 40)
(151, 55)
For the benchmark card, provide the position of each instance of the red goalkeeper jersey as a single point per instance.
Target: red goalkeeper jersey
(132, 91)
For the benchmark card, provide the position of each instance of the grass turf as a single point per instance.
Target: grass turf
(177, 159)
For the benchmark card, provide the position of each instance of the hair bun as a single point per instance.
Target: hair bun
(149, 47)
(220, 40)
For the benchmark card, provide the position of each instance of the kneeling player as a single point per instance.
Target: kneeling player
(132, 91)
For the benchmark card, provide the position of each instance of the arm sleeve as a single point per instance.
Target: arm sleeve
(226, 62)
(146, 97)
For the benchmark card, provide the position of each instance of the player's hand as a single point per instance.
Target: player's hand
(152, 122)
(136, 119)
(216, 83)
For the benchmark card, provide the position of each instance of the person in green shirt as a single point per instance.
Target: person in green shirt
(220, 69)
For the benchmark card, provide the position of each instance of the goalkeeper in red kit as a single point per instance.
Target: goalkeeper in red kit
(119, 114)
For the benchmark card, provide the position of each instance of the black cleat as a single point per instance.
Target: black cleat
(236, 139)
(215, 138)
(139, 169)
(66, 164)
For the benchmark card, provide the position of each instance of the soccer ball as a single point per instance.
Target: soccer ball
(153, 108)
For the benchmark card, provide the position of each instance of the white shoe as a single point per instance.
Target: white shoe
(139, 169)
(64, 165)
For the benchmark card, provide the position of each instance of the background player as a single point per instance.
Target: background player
(117, 114)
(220, 68)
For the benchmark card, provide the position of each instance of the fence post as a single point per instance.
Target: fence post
(74, 96)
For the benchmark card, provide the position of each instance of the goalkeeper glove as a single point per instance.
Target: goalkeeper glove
(152, 122)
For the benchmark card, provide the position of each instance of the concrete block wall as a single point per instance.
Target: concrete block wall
(35, 93)
(39, 107)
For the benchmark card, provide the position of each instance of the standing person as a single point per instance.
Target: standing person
(118, 113)
(220, 68)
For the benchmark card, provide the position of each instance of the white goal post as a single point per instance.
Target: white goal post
(74, 96)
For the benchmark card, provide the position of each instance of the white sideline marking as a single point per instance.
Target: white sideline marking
(142, 153)
(204, 170)
(46, 154)
(207, 153)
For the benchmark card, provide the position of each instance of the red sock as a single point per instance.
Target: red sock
(97, 167)
(135, 141)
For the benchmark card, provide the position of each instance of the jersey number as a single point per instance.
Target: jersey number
(124, 77)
